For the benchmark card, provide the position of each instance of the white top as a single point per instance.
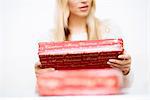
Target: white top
(108, 30)
(79, 36)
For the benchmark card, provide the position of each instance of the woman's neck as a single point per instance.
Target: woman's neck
(77, 24)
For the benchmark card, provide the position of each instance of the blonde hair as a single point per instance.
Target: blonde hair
(62, 21)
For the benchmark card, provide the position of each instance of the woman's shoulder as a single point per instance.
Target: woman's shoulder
(52, 34)
(109, 29)
(48, 36)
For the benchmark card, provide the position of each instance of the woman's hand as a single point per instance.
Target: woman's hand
(39, 69)
(123, 63)
(37, 66)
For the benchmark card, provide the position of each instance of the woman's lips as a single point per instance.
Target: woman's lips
(84, 8)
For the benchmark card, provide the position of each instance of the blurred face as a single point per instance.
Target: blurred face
(80, 7)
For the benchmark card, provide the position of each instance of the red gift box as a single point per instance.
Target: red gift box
(91, 54)
(79, 82)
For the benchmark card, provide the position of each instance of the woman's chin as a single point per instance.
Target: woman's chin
(83, 14)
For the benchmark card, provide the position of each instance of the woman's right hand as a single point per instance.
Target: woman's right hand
(38, 68)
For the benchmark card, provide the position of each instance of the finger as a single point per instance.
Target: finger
(114, 65)
(120, 62)
(124, 56)
(126, 70)
(38, 65)
(118, 66)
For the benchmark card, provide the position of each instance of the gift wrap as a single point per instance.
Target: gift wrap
(80, 68)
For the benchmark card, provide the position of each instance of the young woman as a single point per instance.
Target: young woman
(76, 21)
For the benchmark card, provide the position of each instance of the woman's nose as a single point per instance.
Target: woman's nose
(84, 1)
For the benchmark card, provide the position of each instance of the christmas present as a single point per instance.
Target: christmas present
(79, 82)
(90, 54)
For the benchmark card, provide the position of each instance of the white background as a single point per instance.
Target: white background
(23, 23)
(148, 44)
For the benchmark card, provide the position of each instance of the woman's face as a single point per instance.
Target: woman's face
(80, 7)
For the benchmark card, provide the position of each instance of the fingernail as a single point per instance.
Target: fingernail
(111, 60)
(108, 63)
(119, 56)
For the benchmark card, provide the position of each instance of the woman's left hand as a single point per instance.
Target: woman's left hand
(123, 63)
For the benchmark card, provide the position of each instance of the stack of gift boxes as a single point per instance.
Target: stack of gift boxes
(80, 67)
